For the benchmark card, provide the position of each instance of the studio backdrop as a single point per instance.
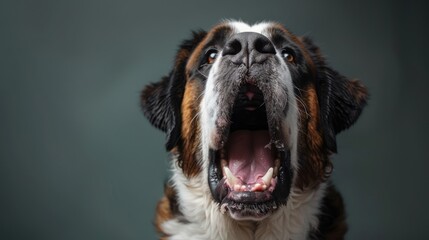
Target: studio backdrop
(79, 161)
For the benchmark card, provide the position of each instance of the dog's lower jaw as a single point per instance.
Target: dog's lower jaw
(201, 217)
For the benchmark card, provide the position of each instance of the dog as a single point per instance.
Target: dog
(251, 114)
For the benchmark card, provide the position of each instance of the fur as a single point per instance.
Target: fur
(307, 104)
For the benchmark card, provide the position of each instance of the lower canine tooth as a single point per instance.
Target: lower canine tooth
(232, 180)
(268, 176)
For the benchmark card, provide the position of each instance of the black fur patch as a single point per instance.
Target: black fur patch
(332, 224)
(161, 101)
(341, 100)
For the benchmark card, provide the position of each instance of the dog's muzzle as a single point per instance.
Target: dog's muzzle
(249, 171)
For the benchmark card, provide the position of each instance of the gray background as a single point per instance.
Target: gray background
(79, 161)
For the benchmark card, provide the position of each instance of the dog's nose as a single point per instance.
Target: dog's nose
(248, 48)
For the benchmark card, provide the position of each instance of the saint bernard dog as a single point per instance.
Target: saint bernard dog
(251, 114)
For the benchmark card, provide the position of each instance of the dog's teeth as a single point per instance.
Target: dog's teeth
(268, 176)
(237, 187)
(232, 180)
(257, 187)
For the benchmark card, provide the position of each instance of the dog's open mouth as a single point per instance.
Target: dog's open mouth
(250, 174)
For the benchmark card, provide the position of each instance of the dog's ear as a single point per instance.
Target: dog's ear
(341, 100)
(156, 105)
(161, 101)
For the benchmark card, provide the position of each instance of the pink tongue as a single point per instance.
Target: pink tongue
(249, 154)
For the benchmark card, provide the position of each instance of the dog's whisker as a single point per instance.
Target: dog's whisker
(198, 70)
(300, 89)
(195, 117)
(303, 105)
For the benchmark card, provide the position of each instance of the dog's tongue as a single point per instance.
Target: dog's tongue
(249, 154)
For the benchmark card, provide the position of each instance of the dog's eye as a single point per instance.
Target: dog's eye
(211, 56)
(287, 55)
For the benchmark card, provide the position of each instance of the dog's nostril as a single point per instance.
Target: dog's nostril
(232, 48)
(248, 48)
(263, 45)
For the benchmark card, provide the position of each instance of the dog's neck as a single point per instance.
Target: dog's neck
(202, 219)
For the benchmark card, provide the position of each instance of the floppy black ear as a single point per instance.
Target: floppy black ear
(161, 101)
(341, 100)
(159, 106)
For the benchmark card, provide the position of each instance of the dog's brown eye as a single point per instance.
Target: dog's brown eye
(211, 56)
(287, 55)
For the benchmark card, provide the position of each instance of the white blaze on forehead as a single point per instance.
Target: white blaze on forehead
(244, 27)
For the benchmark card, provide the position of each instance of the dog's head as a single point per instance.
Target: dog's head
(251, 112)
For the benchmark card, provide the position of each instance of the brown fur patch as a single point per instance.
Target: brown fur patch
(332, 219)
(166, 209)
(163, 213)
(313, 158)
(191, 129)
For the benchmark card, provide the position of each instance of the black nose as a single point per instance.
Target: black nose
(248, 48)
